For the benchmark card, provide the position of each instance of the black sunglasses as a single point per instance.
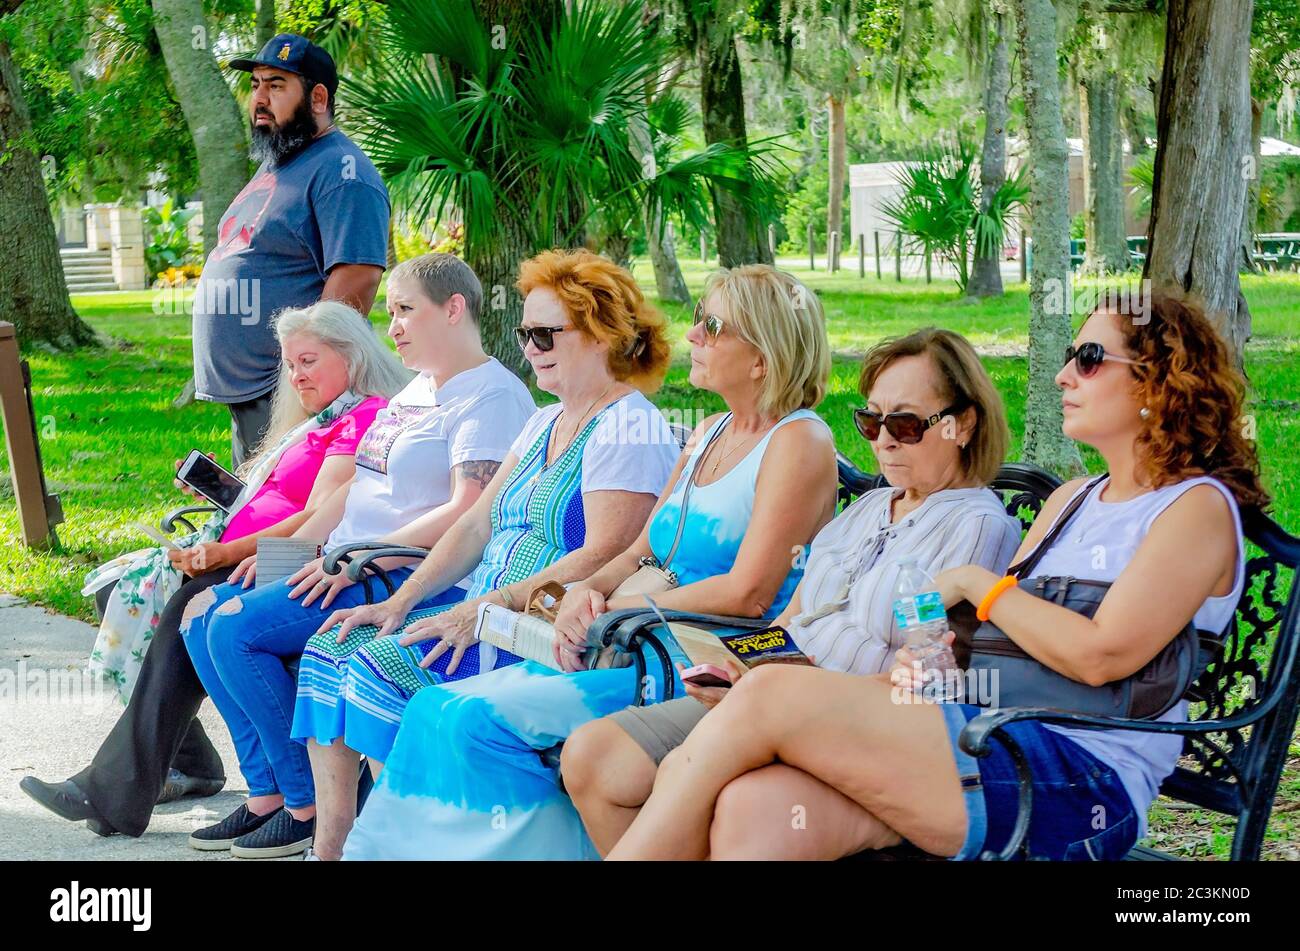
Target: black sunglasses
(905, 427)
(712, 323)
(1089, 357)
(543, 337)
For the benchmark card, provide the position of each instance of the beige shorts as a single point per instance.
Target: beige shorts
(661, 727)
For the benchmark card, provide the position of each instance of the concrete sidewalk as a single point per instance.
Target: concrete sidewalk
(52, 719)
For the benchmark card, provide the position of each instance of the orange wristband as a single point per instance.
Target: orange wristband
(995, 592)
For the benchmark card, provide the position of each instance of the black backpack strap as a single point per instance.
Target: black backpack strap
(1022, 568)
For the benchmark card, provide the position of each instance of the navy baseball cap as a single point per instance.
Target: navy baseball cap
(294, 54)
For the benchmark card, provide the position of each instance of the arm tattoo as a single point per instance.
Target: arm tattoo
(480, 471)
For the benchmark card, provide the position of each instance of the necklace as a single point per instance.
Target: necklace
(723, 456)
(577, 428)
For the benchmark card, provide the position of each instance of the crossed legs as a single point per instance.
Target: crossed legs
(805, 763)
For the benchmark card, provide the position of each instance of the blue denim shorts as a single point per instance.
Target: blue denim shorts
(1081, 811)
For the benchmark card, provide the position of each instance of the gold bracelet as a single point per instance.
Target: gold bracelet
(505, 596)
(419, 587)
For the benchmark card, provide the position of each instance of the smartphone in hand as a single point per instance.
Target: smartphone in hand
(214, 483)
(706, 675)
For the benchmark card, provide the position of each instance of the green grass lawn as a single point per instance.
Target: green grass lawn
(109, 434)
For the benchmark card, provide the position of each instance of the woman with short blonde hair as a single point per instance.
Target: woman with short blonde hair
(780, 316)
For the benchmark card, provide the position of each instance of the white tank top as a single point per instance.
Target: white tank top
(1098, 544)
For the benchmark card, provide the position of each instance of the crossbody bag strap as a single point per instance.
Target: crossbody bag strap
(1022, 568)
(686, 493)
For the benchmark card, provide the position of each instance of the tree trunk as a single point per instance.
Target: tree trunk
(265, 22)
(33, 292)
(741, 237)
(1251, 211)
(986, 272)
(669, 282)
(1203, 133)
(498, 267)
(1103, 169)
(837, 155)
(503, 307)
(218, 130)
(1133, 127)
(1049, 223)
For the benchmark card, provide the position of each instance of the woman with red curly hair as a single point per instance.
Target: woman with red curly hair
(1161, 403)
(566, 499)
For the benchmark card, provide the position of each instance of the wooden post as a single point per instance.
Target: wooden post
(898, 256)
(812, 257)
(876, 236)
(862, 255)
(37, 512)
(1024, 257)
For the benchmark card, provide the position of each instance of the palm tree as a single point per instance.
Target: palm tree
(520, 119)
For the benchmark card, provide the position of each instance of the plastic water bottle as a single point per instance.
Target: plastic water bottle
(920, 618)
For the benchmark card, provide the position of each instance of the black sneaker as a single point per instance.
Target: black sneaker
(283, 835)
(216, 838)
(179, 785)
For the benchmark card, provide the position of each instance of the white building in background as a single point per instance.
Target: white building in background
(871, 187)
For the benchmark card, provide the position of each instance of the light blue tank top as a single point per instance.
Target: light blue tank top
(717, 516)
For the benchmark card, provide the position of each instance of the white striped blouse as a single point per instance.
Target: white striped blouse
(861, 548)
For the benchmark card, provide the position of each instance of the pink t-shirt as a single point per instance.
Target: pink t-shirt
(289, 485)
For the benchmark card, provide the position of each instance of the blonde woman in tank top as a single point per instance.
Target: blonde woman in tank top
(1160, 400)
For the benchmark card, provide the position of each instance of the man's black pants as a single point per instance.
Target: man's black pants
(159, 727)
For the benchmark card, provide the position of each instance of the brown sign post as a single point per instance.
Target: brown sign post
(38, 512)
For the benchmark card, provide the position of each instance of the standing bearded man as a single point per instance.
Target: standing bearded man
(312, 223)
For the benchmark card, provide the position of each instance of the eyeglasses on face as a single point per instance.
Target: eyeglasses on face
(542, 337)
(908, 428)
(712, 322)
(1089, 357)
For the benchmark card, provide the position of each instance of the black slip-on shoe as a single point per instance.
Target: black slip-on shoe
(179, 785)
(68, 801)
(218, 837)
(283, 835)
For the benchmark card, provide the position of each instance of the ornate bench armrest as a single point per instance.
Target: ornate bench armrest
(360, 565)
(178, 517)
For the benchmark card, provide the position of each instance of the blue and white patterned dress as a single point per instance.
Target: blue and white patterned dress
(464, 779)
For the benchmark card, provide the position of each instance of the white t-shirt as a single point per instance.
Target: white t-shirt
(405, 459)
(632, 449)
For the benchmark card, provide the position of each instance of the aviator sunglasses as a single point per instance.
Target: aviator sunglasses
(712, 322)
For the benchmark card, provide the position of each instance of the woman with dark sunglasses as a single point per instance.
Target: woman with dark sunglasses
(1161, 402)
(936, 425)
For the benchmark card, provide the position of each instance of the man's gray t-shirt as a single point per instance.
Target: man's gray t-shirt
(276, 244)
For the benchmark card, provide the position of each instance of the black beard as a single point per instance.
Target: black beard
(276, 143)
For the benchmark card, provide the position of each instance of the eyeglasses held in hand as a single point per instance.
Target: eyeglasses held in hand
(905, 427)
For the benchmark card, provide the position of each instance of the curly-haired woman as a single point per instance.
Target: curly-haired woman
(1160, 401)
